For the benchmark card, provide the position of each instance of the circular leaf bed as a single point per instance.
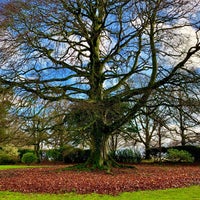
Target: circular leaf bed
(55, 180)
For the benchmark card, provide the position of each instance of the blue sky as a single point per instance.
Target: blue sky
(1, 1)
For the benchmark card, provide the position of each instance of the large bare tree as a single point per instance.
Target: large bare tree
(92, 54)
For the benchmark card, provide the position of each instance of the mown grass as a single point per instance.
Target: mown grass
(4, 167)
(190, 193)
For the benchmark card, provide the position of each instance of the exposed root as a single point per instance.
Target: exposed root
(107, 166)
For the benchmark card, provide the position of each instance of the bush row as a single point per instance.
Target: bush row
(127, 156)
(11, 155)
(69, 154)
(193, 150)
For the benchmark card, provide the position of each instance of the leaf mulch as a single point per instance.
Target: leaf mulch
(144, 177)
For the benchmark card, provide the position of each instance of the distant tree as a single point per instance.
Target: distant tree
(59, 131)
(153, 127)
(36, 134)
(91, 53)
(126, 136)
(147, 131)
(185, 115)
(5, 121)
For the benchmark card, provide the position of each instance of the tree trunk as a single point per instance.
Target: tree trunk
(147, 152)
(183, 141)
(160, 143)
(99, 152)
(99, 147)
(37, 151)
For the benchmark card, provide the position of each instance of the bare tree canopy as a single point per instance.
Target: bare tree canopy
(94, 54)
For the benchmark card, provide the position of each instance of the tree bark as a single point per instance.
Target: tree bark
(37, 152)
(147, 152)
(99, 147)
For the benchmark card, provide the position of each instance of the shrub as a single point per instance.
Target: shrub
(176, 155)
(193, 150)
(6, 159)
(127, 156)
(154, 152)
(76, 155)
(9, 155)
(29, 158)
(12, 152)
(54, 154)
(23, 151)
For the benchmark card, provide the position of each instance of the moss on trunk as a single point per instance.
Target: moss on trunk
(99, 149)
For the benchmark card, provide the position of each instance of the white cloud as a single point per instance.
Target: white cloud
(178, 42)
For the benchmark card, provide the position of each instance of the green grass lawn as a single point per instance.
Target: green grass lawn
(4, 167)
(190, 193)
